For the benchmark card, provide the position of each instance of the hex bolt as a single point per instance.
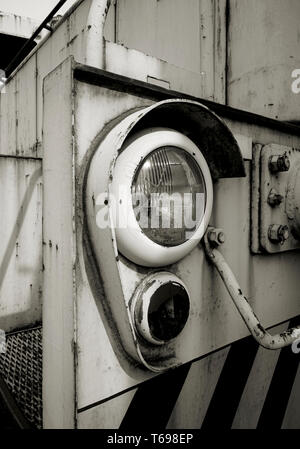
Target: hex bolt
(274, 198)
(279, 163)
(216, 236)
(278, 233)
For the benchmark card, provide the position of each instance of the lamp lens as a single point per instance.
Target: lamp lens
(169, 196)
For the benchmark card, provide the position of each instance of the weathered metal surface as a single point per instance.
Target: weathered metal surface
(20, 243)
(207, 131)
(227, 389)
(245, 144)
(188, 35)
(99, 356)
(137, 65)
(59, 251)
(16, 25)
(196, 64)
(263, 45)
(18, 128)
(188, 411)
(71, 301)
(184, 116)
(244, 123)
(25, 112)
(8, 120)
(168, 30)
(80, 34)
(260, 334)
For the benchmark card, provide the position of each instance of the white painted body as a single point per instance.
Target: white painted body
(50, 119)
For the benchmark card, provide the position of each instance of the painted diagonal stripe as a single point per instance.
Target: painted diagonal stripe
(257, 386)
(292, 415)
(153, 401)
(193, 401)
(231, 384)
(277, 399)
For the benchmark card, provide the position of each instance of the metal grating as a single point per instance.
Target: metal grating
(21, 369)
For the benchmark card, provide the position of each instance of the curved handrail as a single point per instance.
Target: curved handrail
(263, 337)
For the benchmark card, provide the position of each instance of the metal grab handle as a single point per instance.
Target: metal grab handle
(263, 337)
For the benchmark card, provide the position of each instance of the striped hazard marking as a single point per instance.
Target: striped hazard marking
(238, 387)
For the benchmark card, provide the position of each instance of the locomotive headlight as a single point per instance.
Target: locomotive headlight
(170, 189)
(163, 196)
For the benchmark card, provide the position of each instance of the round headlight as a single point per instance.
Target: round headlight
(160, 307)
(161, 197)
(169, 196)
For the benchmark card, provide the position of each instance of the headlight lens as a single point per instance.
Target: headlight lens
(169, 196)
(168, 311)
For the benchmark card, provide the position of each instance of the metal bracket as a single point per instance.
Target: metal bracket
(274, 201)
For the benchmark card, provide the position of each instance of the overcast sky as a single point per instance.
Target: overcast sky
(37, 9)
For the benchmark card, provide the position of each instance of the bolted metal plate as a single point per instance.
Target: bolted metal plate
(275, 201)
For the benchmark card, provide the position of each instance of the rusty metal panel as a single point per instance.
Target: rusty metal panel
(99, 355)
(50, 55)
(263, 45)
(207, 49)
(109, 31)
(8, 118)
(26, 98)
(87, 101)
(89, 314)
(220, 50)
(17, 25)
(20, 243)
(80, 34)
(138, 65)
(168, 30)
(187, 35)
(58, 251)
(18, 114)
(263, 132)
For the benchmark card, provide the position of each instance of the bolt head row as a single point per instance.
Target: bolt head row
(274, 198)
(216, 236)
(280, 163)
(278, 233)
